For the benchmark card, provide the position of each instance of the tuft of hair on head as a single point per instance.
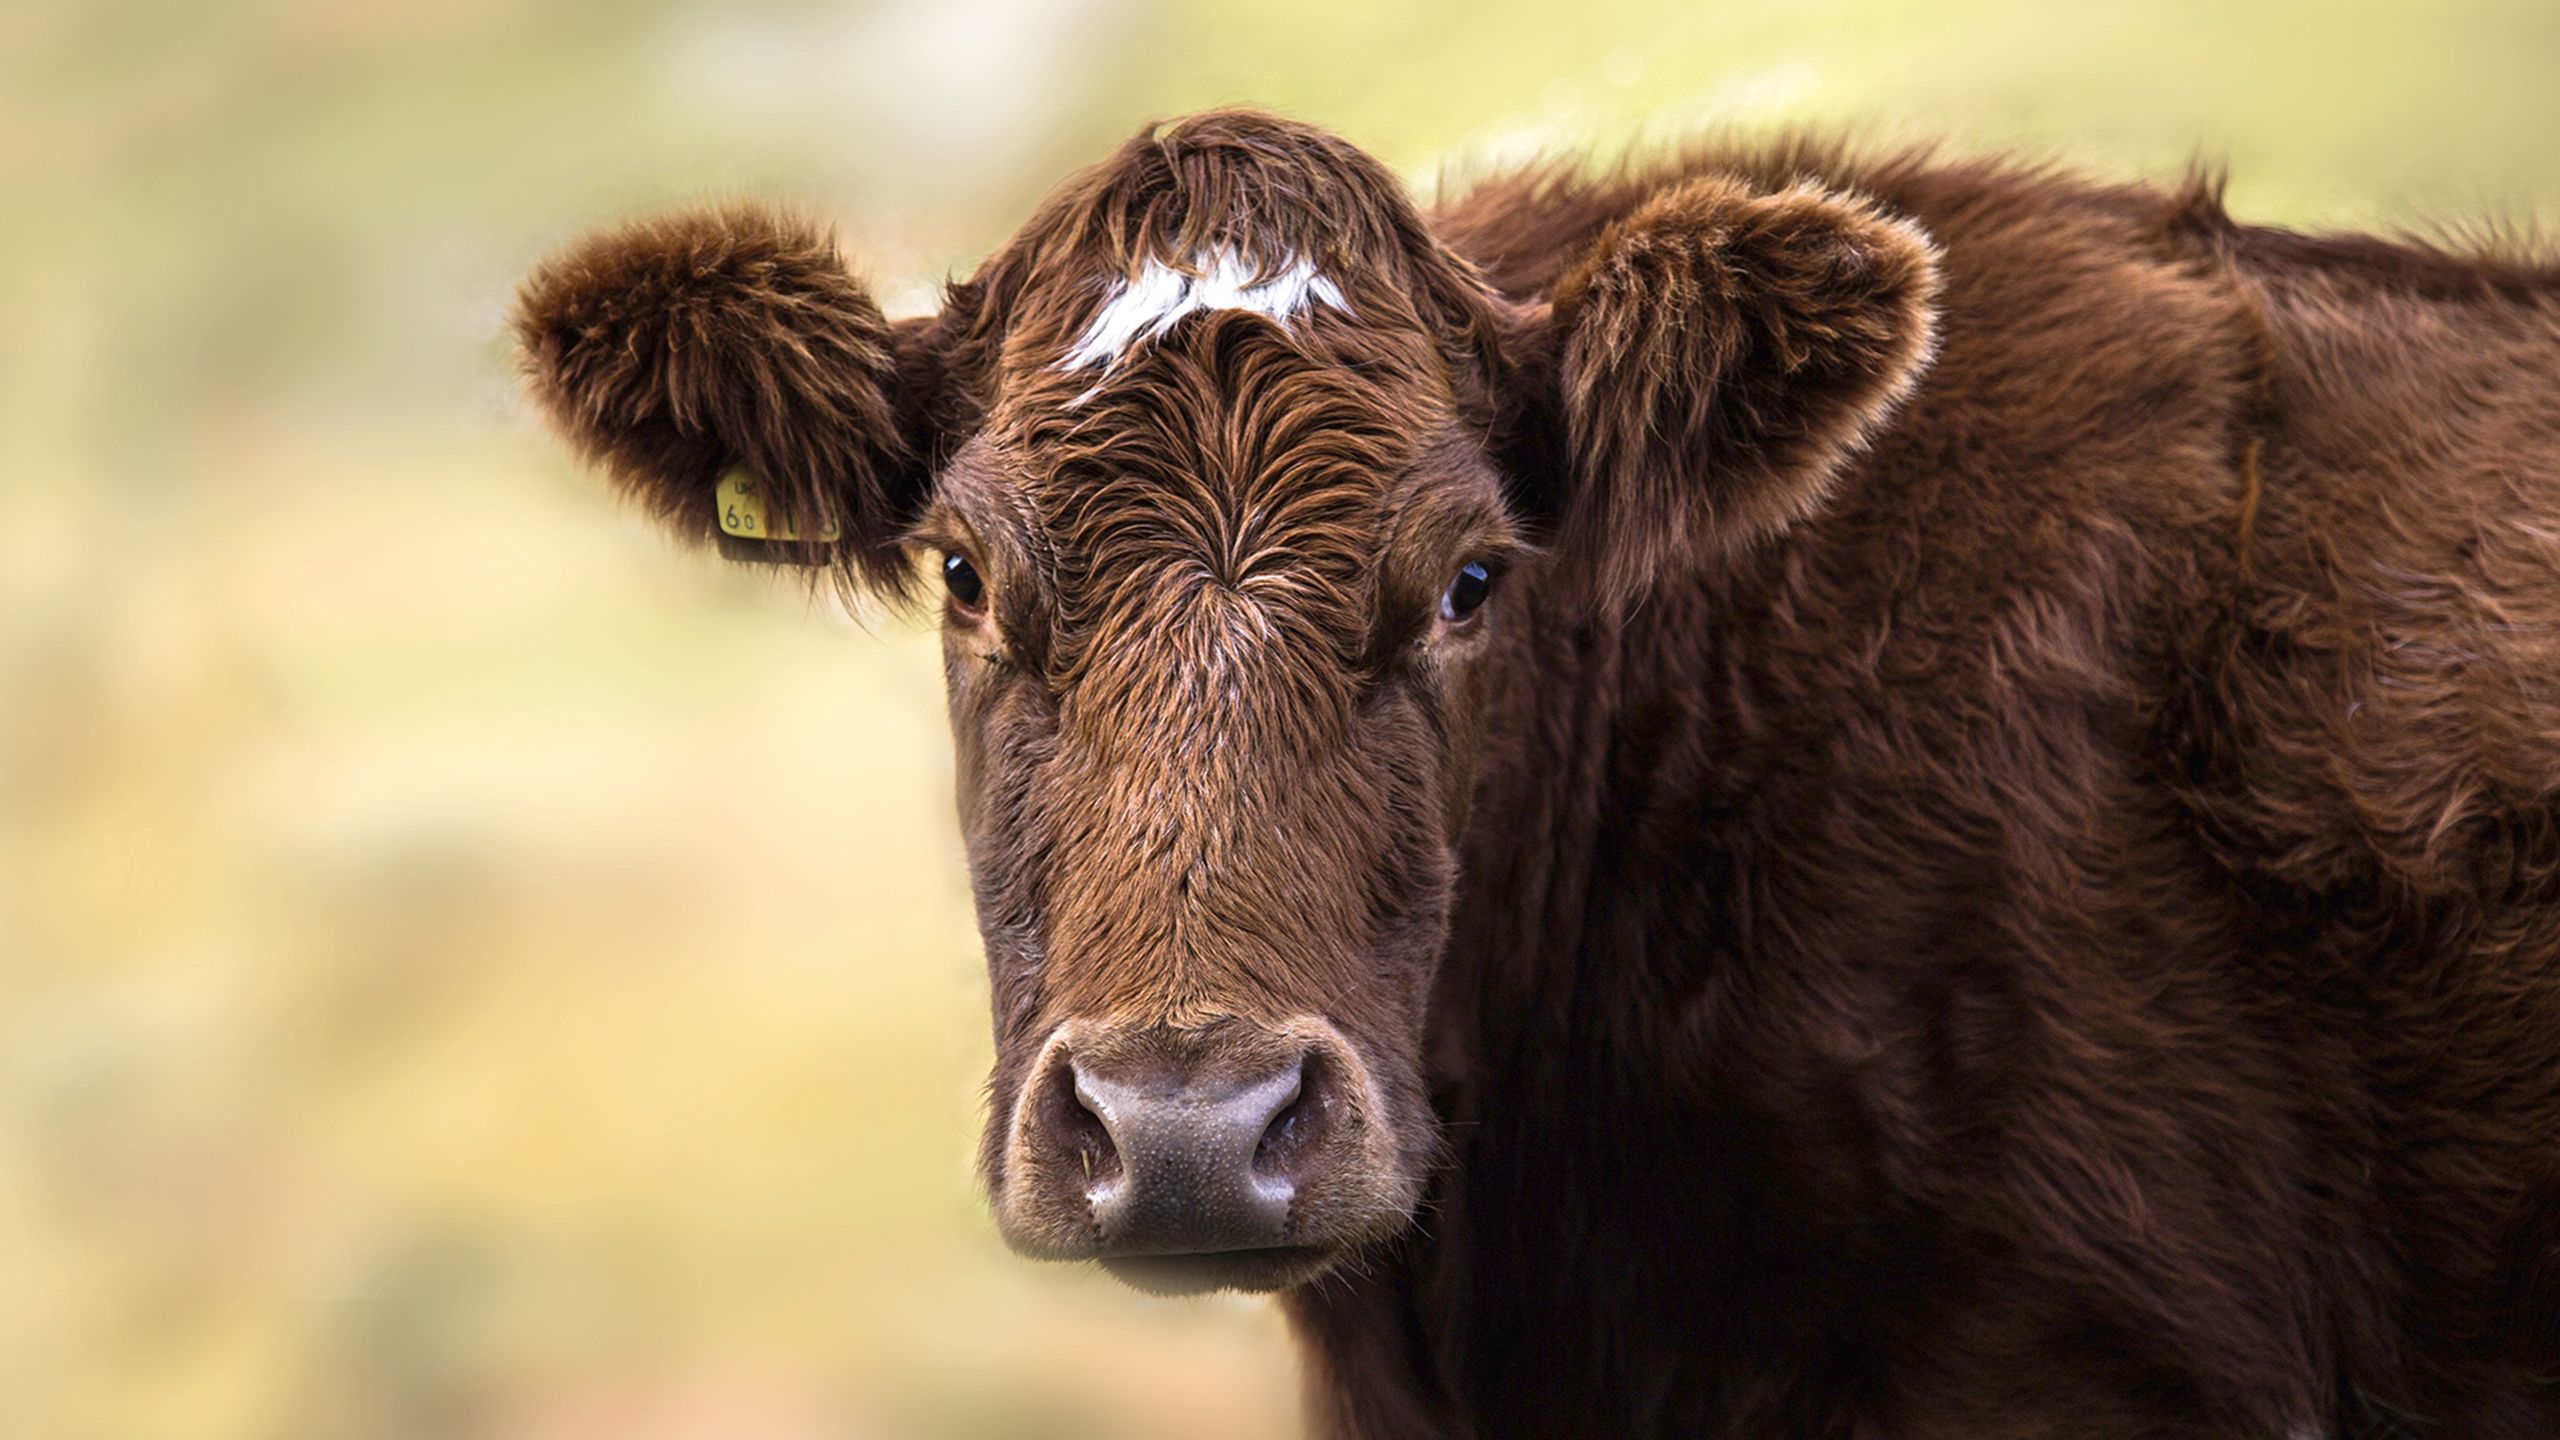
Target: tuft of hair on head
(674, 350)
(1724, 352)
(1233, 210)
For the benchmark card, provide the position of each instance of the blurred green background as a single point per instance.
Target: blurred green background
(467, 970)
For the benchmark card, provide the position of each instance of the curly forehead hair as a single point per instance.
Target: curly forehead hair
(1227, 457)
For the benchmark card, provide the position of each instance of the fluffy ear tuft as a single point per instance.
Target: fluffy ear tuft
(1724, 352)
(675, 349)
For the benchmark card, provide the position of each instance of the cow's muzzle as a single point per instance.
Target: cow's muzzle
(1237, 1156)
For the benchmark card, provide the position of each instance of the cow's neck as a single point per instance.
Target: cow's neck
(1576, 968)
(1569, 943)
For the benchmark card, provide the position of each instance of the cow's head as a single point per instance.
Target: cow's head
(1231, 477)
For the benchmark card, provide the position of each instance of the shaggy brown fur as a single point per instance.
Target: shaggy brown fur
(1992, 867)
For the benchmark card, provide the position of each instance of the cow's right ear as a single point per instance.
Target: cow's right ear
(729, 373)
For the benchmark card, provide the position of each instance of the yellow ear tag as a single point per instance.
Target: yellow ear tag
(742, 511)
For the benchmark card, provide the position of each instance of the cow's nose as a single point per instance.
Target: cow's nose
(1191, 1164)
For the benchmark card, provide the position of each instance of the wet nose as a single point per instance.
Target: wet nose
(1190, 1163)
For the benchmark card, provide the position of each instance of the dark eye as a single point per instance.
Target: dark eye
(961, 579)
(1467, 593)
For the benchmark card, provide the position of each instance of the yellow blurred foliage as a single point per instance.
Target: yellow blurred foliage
(468, 970)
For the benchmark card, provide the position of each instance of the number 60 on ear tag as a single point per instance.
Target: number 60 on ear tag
(742, 511)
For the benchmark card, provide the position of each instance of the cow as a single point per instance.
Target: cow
(1788, 790)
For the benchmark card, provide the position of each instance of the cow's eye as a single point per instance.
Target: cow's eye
(961, 579)
(1468, 592)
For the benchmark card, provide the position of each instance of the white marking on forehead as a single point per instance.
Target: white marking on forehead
(1143, 309)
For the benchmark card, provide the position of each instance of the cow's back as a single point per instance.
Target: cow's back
(2392, 687)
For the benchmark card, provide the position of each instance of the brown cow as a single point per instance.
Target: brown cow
(1779, 795)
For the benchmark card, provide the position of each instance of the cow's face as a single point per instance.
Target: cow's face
(1226, 473)
(1215, 609)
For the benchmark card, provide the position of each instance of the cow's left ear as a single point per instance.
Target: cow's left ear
(1720, 354)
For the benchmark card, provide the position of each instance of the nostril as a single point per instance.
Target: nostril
(1310, 1113)
(1077, 1133)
